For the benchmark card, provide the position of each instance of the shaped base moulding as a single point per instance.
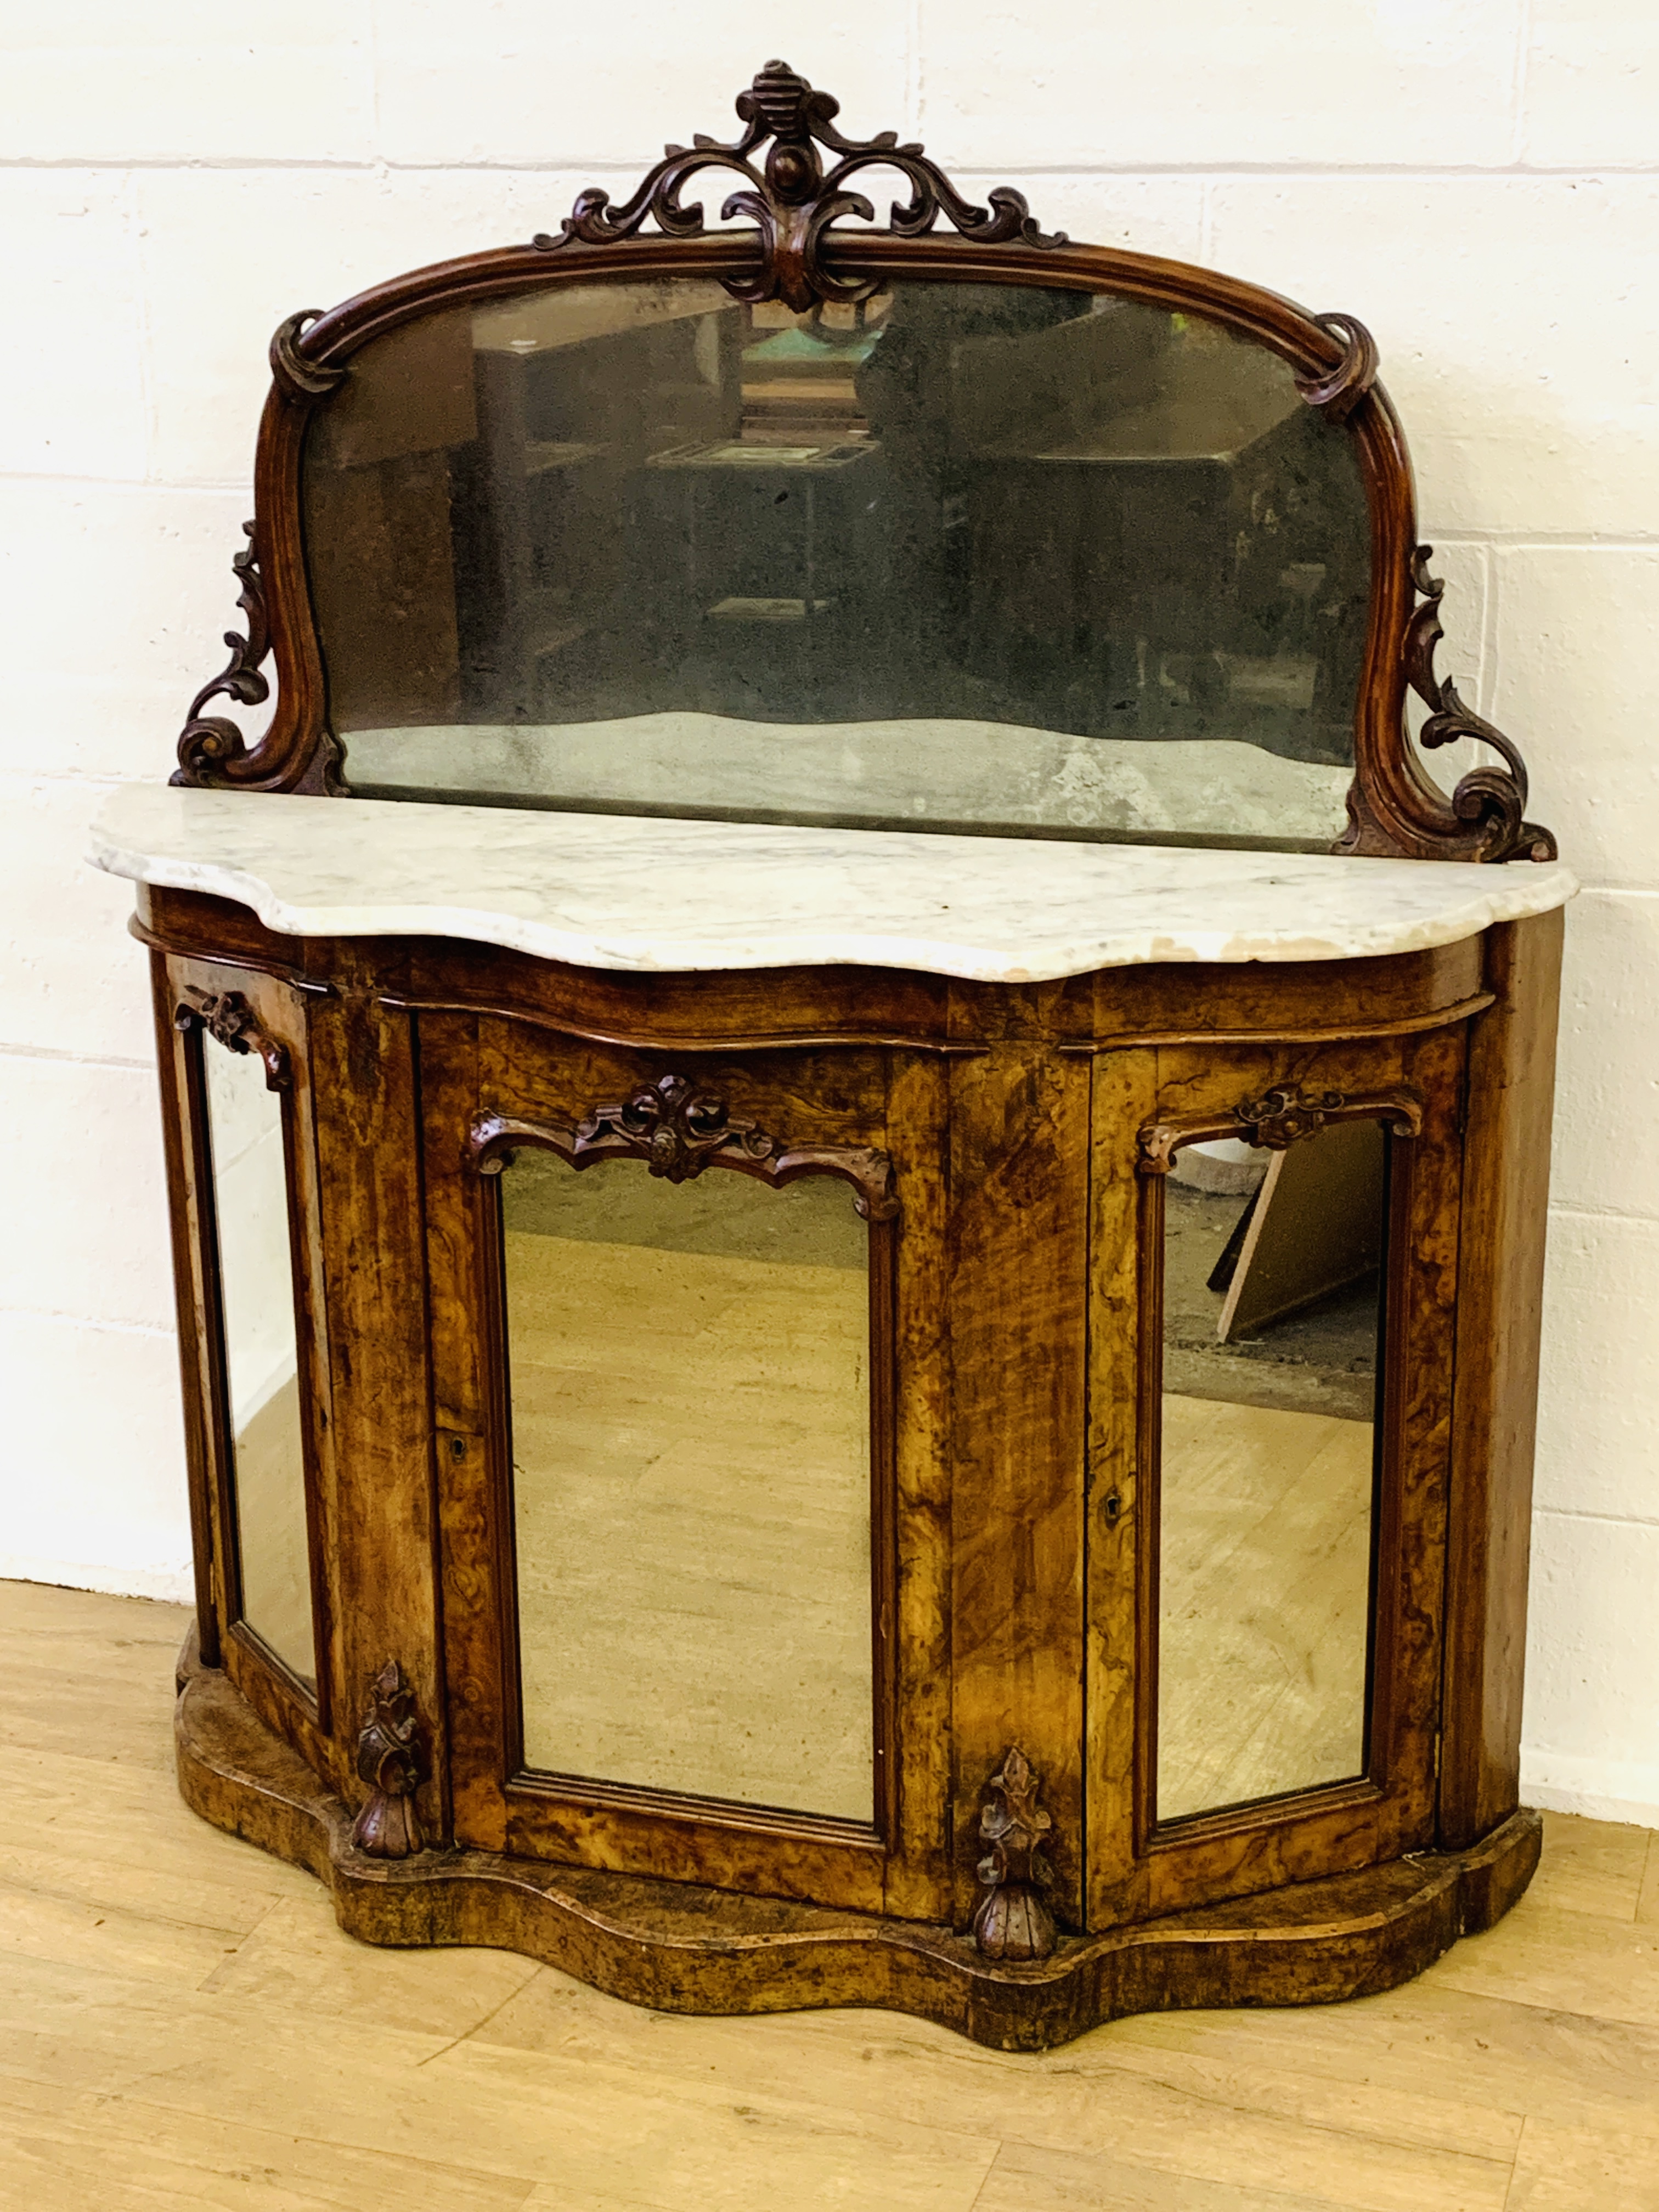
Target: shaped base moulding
(677, 1947)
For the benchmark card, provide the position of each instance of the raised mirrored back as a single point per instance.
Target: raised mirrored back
(1273, 1272)
(964, 557)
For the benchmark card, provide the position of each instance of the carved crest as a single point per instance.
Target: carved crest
(679, 1129)
(1013, 1922)
(675, 1129)
(794, 198)
(228, 1018)
(1280, 1118)
(1491, 799)
(391, 1760)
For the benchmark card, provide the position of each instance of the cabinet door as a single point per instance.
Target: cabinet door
(1274, 1243)
(246, 1249)
(681, 1590)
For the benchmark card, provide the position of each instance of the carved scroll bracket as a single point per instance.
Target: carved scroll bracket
(1492, 799)
(1013, 1921)
(228, 1018)
(207, 741)
(794, 198)
(392, 1761)
(677, 1129)
(1281, 1117)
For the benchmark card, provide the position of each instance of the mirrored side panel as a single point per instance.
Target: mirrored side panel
(246, 1149)
(690, 1419)
(962, 557)
(1273, 1265)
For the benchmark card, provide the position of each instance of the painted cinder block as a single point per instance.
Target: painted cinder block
(1211, 84)
(1591, 1731)
(1592, 84)
(71, 386)
(1518, 338)
(1607, 1066)
(94, 1464)
(1598, 1405)
(92, 1129)
(194, 81)
(324, 234)
(71, 979)
(1576, 666)
(114, 601)
(513, 81)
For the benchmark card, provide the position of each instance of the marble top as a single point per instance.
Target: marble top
(622, 892)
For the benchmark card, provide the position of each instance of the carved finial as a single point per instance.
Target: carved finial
(229, 1017)
(1492, 799)
(794, 198)
(1013, 1922)
(390, 1760)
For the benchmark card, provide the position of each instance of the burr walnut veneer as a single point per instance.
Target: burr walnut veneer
(964, 1467)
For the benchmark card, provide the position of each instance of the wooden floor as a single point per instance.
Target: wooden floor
(182, 2025)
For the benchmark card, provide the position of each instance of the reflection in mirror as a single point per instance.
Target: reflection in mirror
(961, 558)
(691, 1423)
(256, 1291)
(1273, 1269)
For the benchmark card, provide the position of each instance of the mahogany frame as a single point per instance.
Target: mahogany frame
(1393, 806)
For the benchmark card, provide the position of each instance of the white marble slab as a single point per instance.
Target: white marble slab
(619, 893)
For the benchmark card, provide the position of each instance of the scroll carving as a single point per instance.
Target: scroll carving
(678, 1130)
(1339, 391)
(391, 1760)
(207, 741)
(228, 1017)
(792, 197)
(297, 377)
(1013, 1921)
(1492, 800)
(1281, 1117)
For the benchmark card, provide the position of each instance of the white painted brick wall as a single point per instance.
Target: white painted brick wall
(1477, 179)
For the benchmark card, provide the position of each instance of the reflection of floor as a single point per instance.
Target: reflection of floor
(271, 1504)
(691, 1446)
(1264, 1596)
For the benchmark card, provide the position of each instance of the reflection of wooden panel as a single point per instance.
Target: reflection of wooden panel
(1316, 1226)
(385, 583)
(409, 392)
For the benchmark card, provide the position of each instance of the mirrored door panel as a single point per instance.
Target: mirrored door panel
(691, 1416)
(1273, 1269)
(255, 1256)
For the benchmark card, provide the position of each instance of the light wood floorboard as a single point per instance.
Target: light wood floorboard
(182, 2024)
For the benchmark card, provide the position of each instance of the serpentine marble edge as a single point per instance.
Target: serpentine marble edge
(643, 894)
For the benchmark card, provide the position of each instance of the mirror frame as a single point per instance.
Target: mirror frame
(796, 253)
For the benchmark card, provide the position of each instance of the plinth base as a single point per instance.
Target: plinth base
(681, 1949)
